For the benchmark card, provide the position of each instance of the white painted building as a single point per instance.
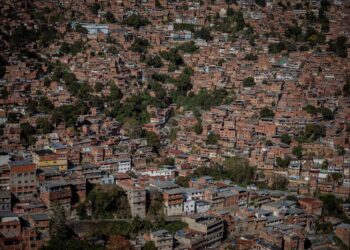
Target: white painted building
(189, 207)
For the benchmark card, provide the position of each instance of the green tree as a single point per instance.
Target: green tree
(198, 128)
(279, 183)
(339, 46)
(266, 113)
(115, 93)
(153, 140)
(298, 151)
(212, 139)
(327, 114)
(248, 82)
(27, 134)
(57, 224)
(155, 62)
(310, 109)
(122, 228)
(169, 161)
(110, 17)
(182, 181)
(261, 3)
(94, 8)
(149, 246)
(109, 202)
(204, 33)
(45, 105)
(44, 125)
(81, 211)
(285, 138)
(340, 150)
(155, 206)
(238, 170)
(312, 132)
(332, 205)
(140, 45)
(135, 21)
(283, 163)
(3, 64)
(81, 29)
(187, 47)
(175, 226)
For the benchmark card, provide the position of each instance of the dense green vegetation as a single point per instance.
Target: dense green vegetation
(236, 169)
(266, 112)
(283, 163)
(110, 17)
(140, 45)
(205, 99)
(332, 206)
(81, 29)
(72, 49)
(339, 46)
(137, 225)
(94, 8)
(76, 244)
(298, 151)
(173, 55)
(108, 203)
(275, 48)
(248, 82)
(182, 181)
(203, 33)
(233, 23)
(327, 114)
(279, 183)
(184, 26)
(212, 139)
(135, 21)
(22, 36)
(154, 61)
(62, 237)
(261, 3)
(285, 138)
(312, 132)
(3, 64)
(187, 47)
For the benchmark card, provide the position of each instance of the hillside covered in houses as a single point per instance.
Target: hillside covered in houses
(172, 124)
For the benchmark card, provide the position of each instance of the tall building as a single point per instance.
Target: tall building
(173, 201)
(205, 231)
(5, 177)
(136, 197)
(23, 179)
(5, 201)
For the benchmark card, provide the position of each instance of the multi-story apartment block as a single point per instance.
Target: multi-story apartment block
(208, 228)
(5, 201)
(173, 202)
(23, 179)
(136, 197)
(56, 192)
(4, 177)
(162, 239)
(123, 165)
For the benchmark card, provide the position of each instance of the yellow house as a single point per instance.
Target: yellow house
(46, 158)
